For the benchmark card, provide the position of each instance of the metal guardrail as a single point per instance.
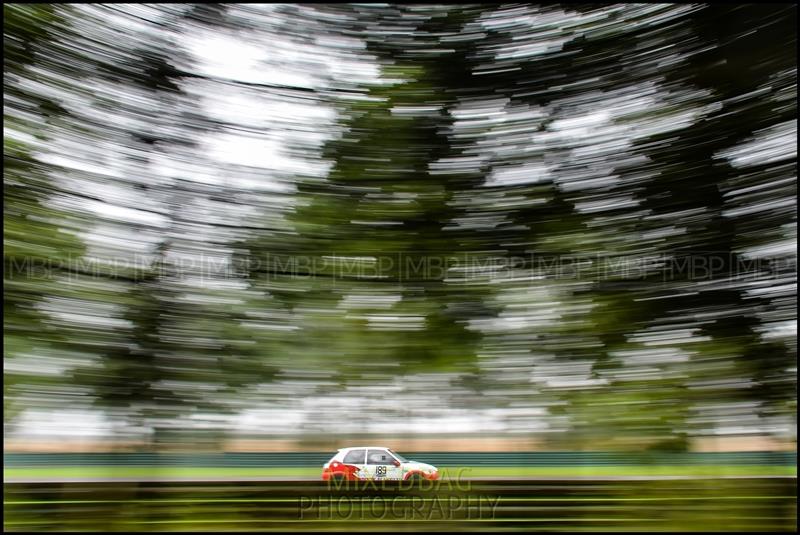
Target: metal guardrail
(297, 459)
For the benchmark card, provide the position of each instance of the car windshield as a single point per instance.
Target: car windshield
(399, 457)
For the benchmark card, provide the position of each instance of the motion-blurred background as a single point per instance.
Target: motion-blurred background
(458, 228)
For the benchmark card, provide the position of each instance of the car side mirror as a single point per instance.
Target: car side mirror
(396, 462)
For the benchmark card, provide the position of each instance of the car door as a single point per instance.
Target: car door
(382, 465)
(355, 460)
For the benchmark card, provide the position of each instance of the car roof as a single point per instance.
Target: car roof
(364, 448)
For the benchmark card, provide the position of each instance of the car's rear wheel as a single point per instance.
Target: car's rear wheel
(337, 481)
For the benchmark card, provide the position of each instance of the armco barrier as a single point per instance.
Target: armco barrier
(296, 459)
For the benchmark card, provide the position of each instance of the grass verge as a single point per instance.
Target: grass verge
(168, 472)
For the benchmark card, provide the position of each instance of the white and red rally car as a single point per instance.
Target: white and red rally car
(368, 463)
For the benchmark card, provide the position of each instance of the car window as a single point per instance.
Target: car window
(379, 457)
(398, 456)
(354, 457)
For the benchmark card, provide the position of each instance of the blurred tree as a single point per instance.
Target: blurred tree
(171, 350)
(703, 285)
(741, 51)
(374, 238)
(564, 206)
(186, 352)
(39, 240)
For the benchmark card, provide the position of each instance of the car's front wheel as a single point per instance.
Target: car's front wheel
(415, 480)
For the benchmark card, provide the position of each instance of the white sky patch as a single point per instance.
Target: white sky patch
(780, 248)
(386, 322)
(265, 153)
(64, 424)
(78, 165)
(667, 338)
(127, 215)
(252, 109)
(530, 173)
(767, 206)
(251, 151)
(18, 135)
(425, 414)
(771, 145)
(231, 58)
(353, 301)
(783, 329)
(611, 203)
(580, 126)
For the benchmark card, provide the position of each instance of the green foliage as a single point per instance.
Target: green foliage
(620, 137)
